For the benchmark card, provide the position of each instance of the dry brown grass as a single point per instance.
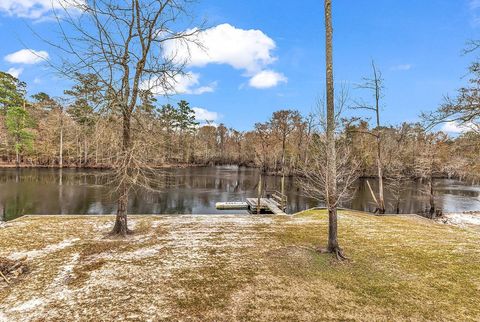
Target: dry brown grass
(245, 268)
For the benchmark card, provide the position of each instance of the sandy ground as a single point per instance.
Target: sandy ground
(240, 267)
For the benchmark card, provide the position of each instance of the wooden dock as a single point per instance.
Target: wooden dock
(275, 203)
(266, 205)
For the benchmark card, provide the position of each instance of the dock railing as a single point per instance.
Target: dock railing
(279, 198)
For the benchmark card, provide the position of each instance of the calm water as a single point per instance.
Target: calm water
(191, 190)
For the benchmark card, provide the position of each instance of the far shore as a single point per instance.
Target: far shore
(185, 166)
(93, 167)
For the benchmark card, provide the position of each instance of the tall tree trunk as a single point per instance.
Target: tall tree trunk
(283, 168)
(17, 150)
(432, 197)
(381, 200)
(121, 227)
(333, 245)
(85, 149)
(79, 151)
(60, 153)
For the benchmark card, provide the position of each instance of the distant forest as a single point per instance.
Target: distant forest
(79, 130)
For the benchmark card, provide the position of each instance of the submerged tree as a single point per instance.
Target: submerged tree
(375, 84)
(283, 124)
(427, 166)
(123, 44)
(396, 181)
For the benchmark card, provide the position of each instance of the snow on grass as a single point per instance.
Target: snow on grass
(32, 254)
(66, 272)
(462, 219)
(102, 226)
(137, 254)
(227, 267)
(28, 305)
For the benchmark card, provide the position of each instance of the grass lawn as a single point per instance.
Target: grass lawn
(246, 268)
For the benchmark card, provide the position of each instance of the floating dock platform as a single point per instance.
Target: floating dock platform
(274, 205)
(232, 205)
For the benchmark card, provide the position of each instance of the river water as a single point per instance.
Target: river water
(190, 191)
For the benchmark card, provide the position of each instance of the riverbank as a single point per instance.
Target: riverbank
(93, 167)
(240, 267)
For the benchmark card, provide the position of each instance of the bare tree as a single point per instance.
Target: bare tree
(263, 133)
(427, 165)
(396, 181)
(123, 45)
(396, 168)
(375, 84)
(314, 175)
(464, 109)
(283, 123)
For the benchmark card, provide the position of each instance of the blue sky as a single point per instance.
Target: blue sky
(416, 44)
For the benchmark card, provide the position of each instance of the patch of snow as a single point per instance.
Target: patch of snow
(28, 305)
(141, 253)
(303, 221)
(102, 278)
(66, 270)
(462, 219)
(102, 226)
(44, 251)
(132, 223)
(4, 224)
(156, 223)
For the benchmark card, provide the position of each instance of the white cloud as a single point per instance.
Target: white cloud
(249, 50)
(15, 72)
(454, 127)
(27, 56)
(267, 79)
(202, 114)
(35, 9)
(474, 6)
(208, 124)
(401, 67)
(187, 83)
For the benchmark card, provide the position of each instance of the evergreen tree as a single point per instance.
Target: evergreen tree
(12, 91)
(185, 117)
(18, 123)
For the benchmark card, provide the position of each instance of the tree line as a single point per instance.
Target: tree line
(77, 130)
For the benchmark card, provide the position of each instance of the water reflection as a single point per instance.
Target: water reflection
(191, 190)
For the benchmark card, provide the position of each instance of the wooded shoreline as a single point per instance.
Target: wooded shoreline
(198, 165)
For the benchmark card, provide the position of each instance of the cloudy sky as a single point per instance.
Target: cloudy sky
(266, 55)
